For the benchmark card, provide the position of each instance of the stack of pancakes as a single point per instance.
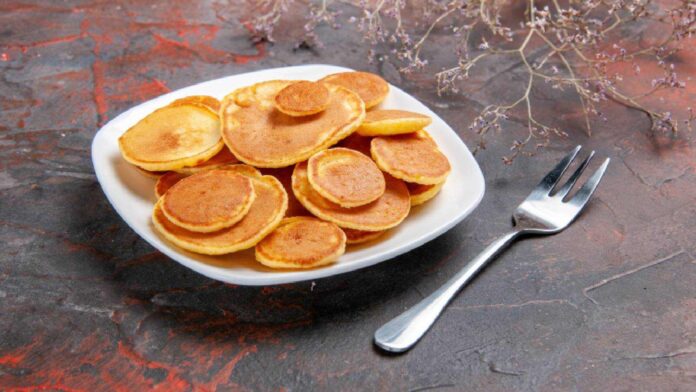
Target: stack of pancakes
(296, 169)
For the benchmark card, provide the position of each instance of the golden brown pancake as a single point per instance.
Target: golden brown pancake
(357, 142)
(201, 100)
(386, 212)
(224, 157)
(371, 88)
(172, 137)
(421, 193)
(413, 157)
(243, 169)
(150, 174)
(392, 122)
(301, 242)
(360, 236)
(345, 177)
(260, 135)
(284, 175)
(265, 214)
(208, 201)
(302, 99)
(166, 181)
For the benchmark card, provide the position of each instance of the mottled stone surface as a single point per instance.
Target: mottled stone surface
(85, 304)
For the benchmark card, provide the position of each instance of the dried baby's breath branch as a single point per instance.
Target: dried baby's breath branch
(319, 15)
(269, 13)
(567, 44)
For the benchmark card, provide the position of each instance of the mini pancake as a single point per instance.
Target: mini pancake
(384, 213)
(284, 175)
(301, 242)
(208, 201)
(422, 193)
(243, 169)
(205, 101)
(360, 236)
(260, 135)
(392, 122)
(413, 158)
(166, 181)
(345, 177)
(265, 214)
(224, 157)
(172, 137)
(357, 142)
(302, 99)
(150, 174)
(371, 88)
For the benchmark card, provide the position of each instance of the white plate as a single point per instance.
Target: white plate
(132, 194)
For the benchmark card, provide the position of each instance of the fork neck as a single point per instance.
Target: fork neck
(491, 251)
(514, 233)
(501, 242)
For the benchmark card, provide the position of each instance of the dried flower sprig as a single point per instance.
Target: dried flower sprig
(269, 13)
(567, 44)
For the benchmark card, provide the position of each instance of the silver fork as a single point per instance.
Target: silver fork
(540, 213)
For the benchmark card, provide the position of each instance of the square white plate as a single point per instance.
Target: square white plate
(133, 197)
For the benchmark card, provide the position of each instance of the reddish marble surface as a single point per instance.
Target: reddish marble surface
(609, 304)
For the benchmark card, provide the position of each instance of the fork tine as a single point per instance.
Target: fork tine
(550, 180)
(583, 195)
(574, 178)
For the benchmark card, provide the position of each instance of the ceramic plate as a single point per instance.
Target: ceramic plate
(132, 194)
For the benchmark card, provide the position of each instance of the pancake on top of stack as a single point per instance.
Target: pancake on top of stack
(175, 136)
(310, 200)
(260, 135)
(392, 122)
(209, 201)
(413, 157)
(301, 242)
(384, 213)
(264, 214)
(345, 177)
(302, 98)
(371, 88)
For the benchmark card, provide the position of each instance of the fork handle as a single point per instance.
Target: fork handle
(404, 331)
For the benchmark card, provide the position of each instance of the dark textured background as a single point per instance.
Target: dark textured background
(609, 304)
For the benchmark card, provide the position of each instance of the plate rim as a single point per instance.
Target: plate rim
(289, 276)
